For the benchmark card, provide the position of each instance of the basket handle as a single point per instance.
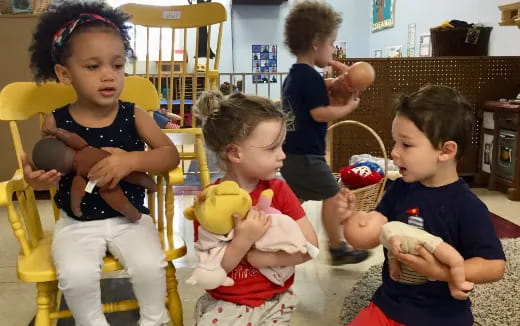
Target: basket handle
(376, 136)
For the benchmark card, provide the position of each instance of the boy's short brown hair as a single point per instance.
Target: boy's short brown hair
(309, 21)
(442, 113)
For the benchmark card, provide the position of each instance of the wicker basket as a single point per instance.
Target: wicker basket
(367, 197)
(38, 6)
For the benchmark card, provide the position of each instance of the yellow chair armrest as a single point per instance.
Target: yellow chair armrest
(175, 176)
(7, 188)
(191, 131)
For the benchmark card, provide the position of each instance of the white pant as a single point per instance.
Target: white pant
(78, 249)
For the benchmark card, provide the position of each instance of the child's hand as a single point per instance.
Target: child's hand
(339, 89)
(425, 264)
(38, 179)
(113, 168)
(253, 226)
(346, 206)
(351, 104)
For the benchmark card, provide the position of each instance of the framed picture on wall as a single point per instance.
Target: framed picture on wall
(382, 14)
(424, 45)
(411, 40)
(340, 50)
(264, 59)
(395, 51)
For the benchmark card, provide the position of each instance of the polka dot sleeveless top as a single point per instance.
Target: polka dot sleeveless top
(121, 133)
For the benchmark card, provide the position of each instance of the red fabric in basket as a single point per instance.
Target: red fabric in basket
(359, 176)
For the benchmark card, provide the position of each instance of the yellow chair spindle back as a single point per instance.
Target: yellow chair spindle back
(188, 19)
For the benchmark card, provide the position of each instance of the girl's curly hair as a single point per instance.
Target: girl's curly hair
(42, 62)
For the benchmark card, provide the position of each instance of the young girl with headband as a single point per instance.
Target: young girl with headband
(86, 45)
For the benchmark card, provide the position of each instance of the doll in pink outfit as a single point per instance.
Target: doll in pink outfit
(214, 209)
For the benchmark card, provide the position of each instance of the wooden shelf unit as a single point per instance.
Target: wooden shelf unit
(510, 14)
(503, 149)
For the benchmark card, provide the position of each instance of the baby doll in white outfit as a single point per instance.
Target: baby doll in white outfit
(366, 230)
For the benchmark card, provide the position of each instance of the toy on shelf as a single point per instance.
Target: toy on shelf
(510, 14)
(214, 210)
(67, 153)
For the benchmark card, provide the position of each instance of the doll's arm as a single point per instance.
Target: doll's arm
(71, 139)
(395, 245)
(260, 259)
(116, 199)
(264, 202)
(77, 191)
(284, 234)
(210, 249)
(394, 267)
(141, 179)
(458, 285)
(402, 237)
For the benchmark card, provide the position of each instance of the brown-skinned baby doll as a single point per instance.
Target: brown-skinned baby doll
(67, 153)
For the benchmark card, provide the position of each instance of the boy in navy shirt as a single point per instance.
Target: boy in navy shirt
(310, 31)
(432, 129)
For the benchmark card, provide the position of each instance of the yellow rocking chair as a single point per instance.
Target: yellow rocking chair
(22, 100)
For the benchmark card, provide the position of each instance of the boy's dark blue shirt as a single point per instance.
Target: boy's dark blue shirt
(453, 213)
(303, 90)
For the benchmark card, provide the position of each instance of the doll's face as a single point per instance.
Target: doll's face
(362, 229)
(221, 201)
(360, 76)
(52, 154)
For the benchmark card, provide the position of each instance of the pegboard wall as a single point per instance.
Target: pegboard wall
(478, 78)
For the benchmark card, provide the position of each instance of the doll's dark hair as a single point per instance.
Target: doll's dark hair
(309, 21)
(44, 56)
(230, 120)
(442, 113)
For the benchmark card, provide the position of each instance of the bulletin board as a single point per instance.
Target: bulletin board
(264, 60)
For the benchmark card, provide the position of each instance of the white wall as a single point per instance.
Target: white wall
(263, 24)
(248, 24)
(504, 40)
(355, 28)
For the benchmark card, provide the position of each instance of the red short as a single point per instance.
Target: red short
(373, 316)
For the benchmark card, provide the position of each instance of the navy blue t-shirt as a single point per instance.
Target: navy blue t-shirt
(121, 133)
(453, 213)
(303, 90)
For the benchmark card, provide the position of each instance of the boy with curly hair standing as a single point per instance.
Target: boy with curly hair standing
(310, 32)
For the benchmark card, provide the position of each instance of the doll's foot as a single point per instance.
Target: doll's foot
(345, 254)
